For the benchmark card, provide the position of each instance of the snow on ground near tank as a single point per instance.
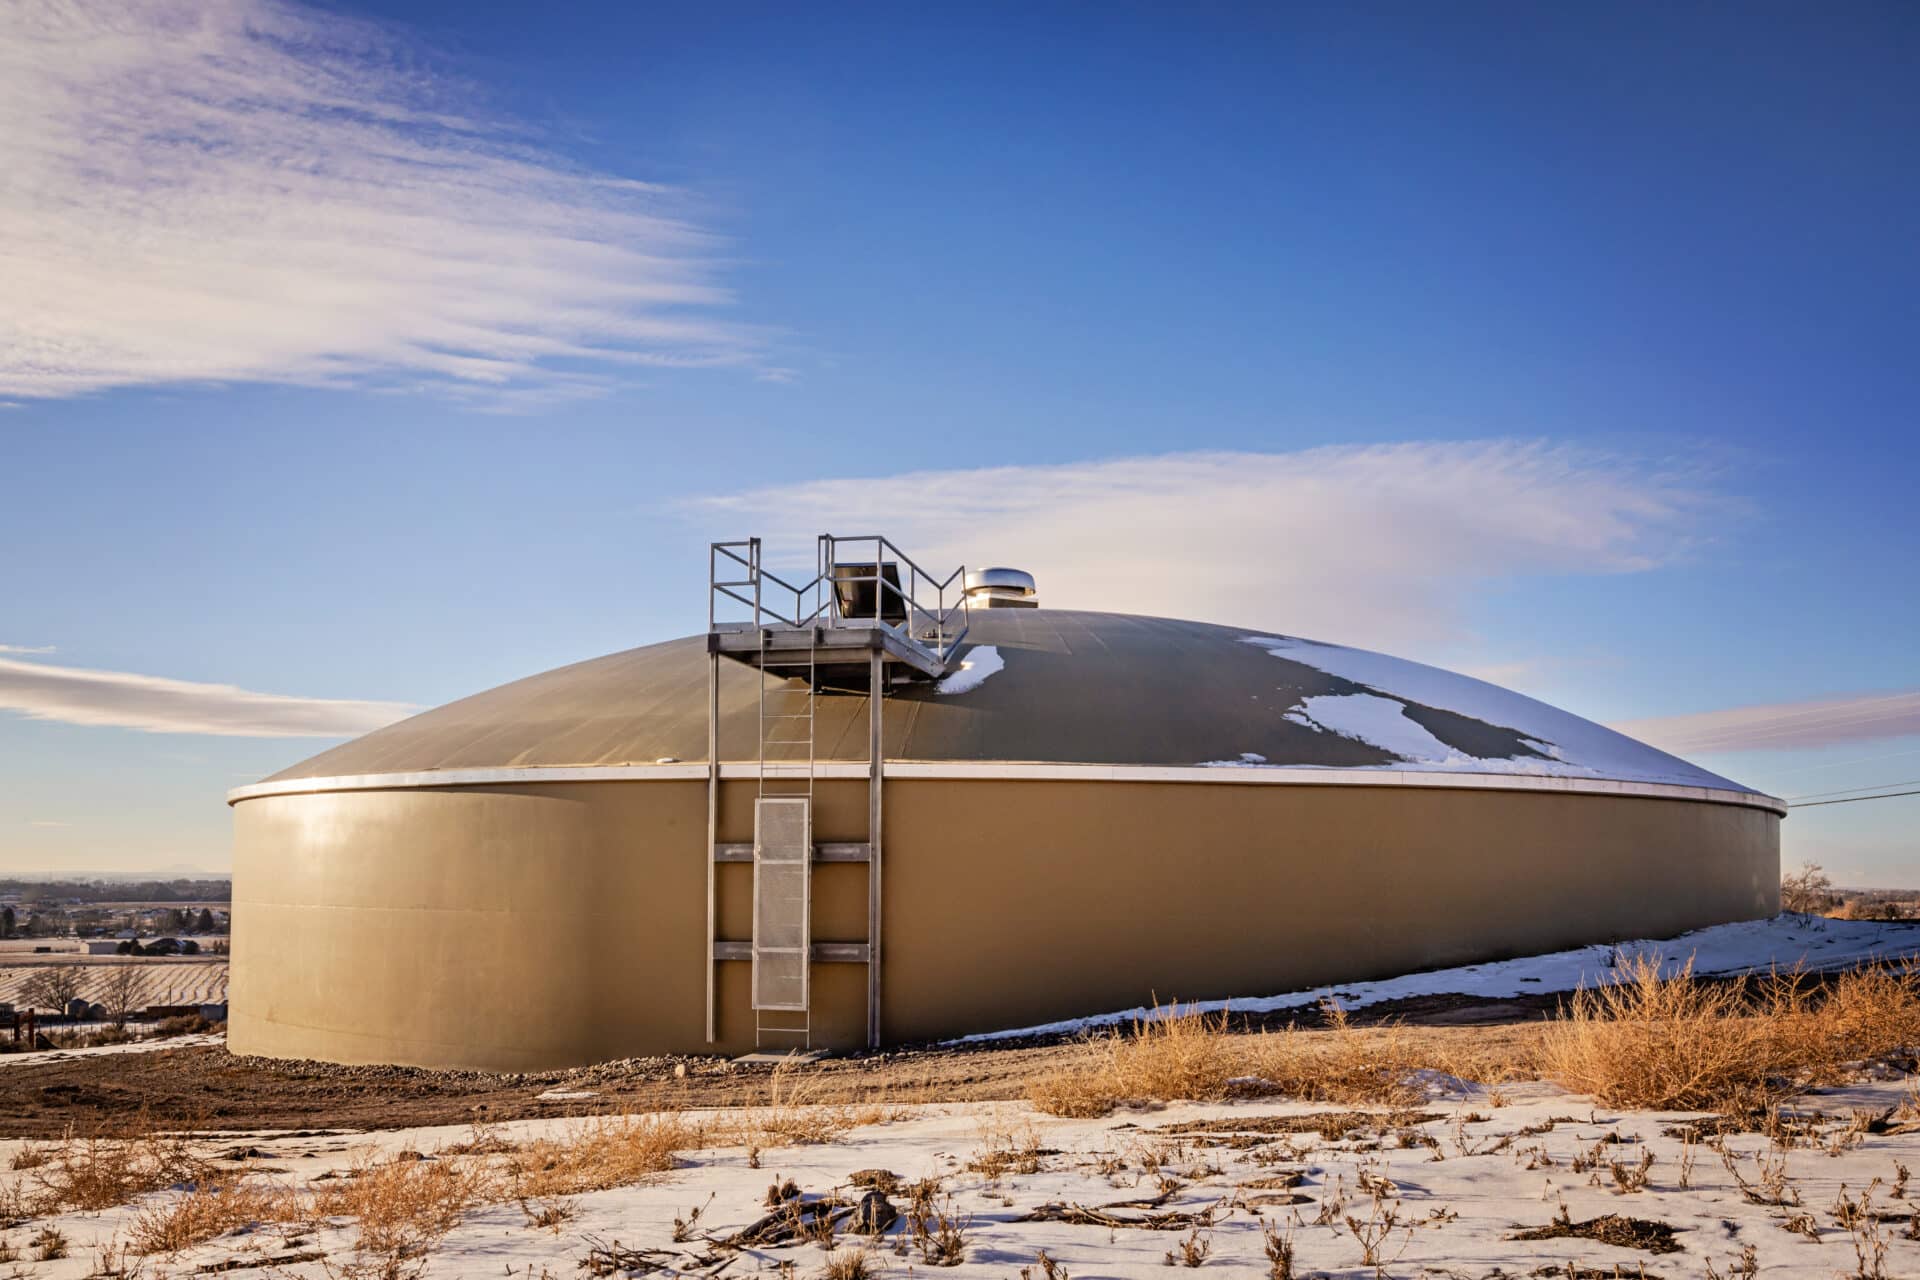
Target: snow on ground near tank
(1579, 748)
(1784, 942)
(1462, 1176)
(149, 1044)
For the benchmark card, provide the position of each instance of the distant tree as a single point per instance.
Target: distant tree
(53, 987)
(204, 922)
(127, 947)
(121, 992)
(6, 921)
(1806, 892)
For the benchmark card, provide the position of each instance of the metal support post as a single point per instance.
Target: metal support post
(876, 703)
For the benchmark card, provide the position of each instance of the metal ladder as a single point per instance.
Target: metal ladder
(909, 627)
(782, 868)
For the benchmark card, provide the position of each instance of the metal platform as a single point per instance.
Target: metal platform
(866, 596)
(792, 651)
(869, 618)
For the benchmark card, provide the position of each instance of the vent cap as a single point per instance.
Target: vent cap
(1001, 588)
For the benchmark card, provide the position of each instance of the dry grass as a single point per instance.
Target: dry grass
(608, 1151)
(403, 1206)
(1194, 1056)
(853, 1264)
(1653, 1039)
(211, 1209)
(797, 1114)
(1347, 1065)
(1672, 1042)
(1169, 1055)
(94, 1172)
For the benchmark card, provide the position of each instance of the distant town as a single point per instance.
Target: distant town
(123, 911)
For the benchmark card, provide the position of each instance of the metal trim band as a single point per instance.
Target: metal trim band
(1228, 774)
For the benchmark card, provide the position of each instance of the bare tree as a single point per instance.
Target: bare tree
(121, 992)
(1806, 892)
(53, 987)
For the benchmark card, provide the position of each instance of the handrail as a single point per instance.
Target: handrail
(928, 623)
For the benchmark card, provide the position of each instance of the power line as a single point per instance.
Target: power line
(1843, 764)
(1735, 737)
(1888, 796)
(1847, 791)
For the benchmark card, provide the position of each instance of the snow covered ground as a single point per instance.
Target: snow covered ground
(166, 980)
(147, 1045)
(1784, 942)
(1445, 1190)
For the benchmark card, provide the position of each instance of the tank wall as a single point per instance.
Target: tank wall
(1053, 900)
(525, 927)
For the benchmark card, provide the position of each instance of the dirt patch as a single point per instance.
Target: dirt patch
(205, 1087)
(1613, 1229)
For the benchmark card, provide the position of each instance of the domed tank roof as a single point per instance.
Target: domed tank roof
(1039, 686)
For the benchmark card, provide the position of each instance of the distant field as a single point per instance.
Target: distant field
(164, 980)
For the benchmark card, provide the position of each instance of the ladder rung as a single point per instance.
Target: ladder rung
(820, 953)
(826, 851)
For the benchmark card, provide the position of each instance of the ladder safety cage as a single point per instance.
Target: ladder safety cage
(782, 902)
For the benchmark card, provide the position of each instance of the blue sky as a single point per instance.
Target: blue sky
(379, 354)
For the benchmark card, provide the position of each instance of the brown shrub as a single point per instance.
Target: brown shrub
(70, 1039)
(1168, 1055)
(93, 1172)
(1343, 1064)
(403, 1205)
(189, 1024)
(1195, 1056)
(1866, 1013)
(1664, 1041)
(1672, 1042)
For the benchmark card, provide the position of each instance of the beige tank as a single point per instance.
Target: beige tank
(1098, 811)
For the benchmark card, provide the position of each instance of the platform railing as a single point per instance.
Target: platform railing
(935, 610)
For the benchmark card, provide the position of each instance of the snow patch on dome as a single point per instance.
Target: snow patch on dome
(1379, 722)
(1575, 747)
(981, 661)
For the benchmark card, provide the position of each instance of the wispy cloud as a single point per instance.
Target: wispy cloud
(249, 190)
(26, 648)
(77, 695)
(1782, 726)
(1362, 545)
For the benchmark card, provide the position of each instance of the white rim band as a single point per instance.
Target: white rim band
(1230, 774)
